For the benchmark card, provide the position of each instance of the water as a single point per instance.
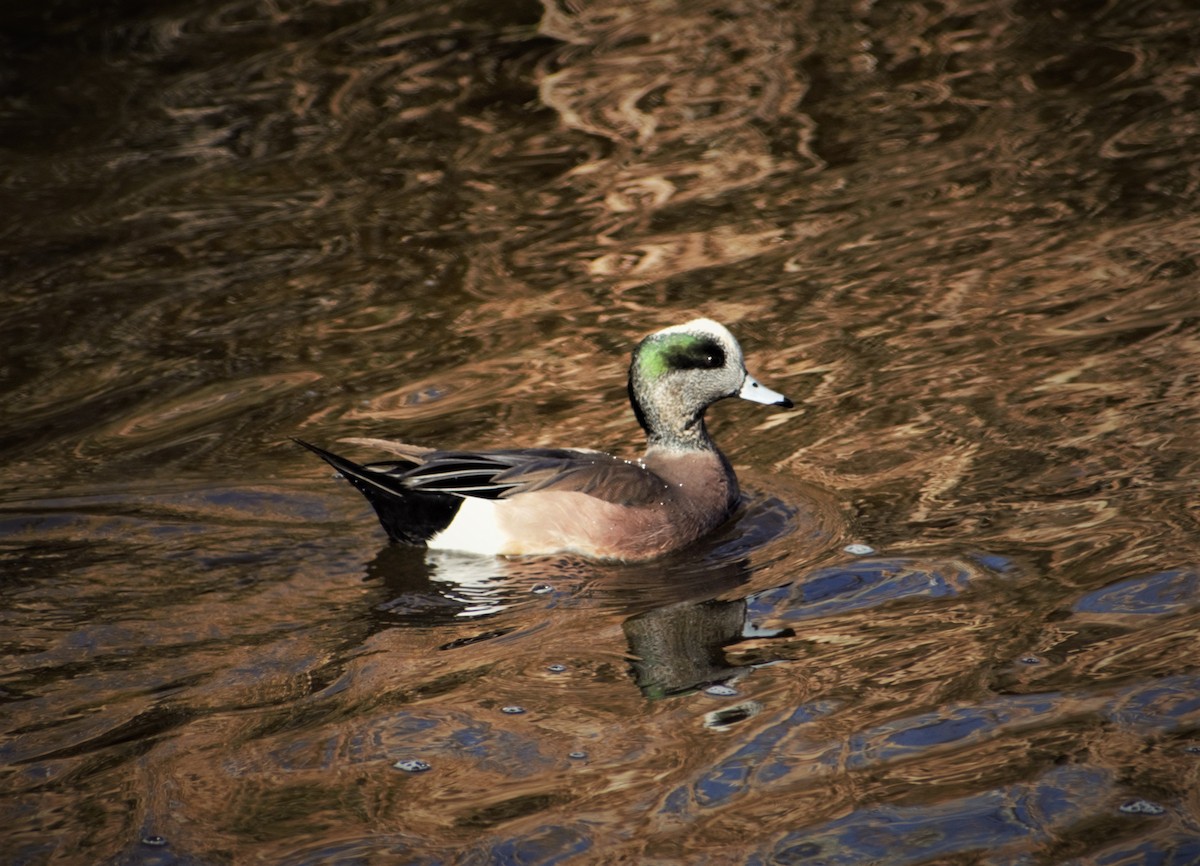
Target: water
(960, 235)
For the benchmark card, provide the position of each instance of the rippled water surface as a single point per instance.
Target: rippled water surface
(956, 620)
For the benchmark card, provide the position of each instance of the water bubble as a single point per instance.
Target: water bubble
(721, 719)
(556, 668)
(721, 691)
(154, 841)
(577, 756)
(412, 765)
(1142, 807)
(542, 588)
(512, 710)
(1030, 660)
(859, 549)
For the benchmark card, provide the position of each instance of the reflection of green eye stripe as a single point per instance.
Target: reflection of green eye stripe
(681, 352)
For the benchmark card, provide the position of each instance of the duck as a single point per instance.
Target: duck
(543, 501)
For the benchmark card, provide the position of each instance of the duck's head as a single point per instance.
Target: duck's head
(680, 371)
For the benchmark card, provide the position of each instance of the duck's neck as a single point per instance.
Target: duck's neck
(690, 435)
(671, 430)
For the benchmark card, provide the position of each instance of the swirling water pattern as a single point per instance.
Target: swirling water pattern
(961, 235)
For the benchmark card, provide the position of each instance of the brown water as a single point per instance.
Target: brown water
(961, 235)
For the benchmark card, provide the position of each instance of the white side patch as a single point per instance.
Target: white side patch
(474, 529)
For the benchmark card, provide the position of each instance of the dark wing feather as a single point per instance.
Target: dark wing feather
(406, 515)
(462, 473)
(502, 474)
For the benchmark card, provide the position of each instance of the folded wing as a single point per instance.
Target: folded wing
(504, 474)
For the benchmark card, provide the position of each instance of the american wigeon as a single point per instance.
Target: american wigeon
(553, 500)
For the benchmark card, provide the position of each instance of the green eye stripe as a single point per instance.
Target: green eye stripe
(680, 352)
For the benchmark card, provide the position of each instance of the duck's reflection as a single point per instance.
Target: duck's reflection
(423, 587)
(675, 621)
(678, 616)
(679, 647)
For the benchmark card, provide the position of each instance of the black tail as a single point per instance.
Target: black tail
(407, 515)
